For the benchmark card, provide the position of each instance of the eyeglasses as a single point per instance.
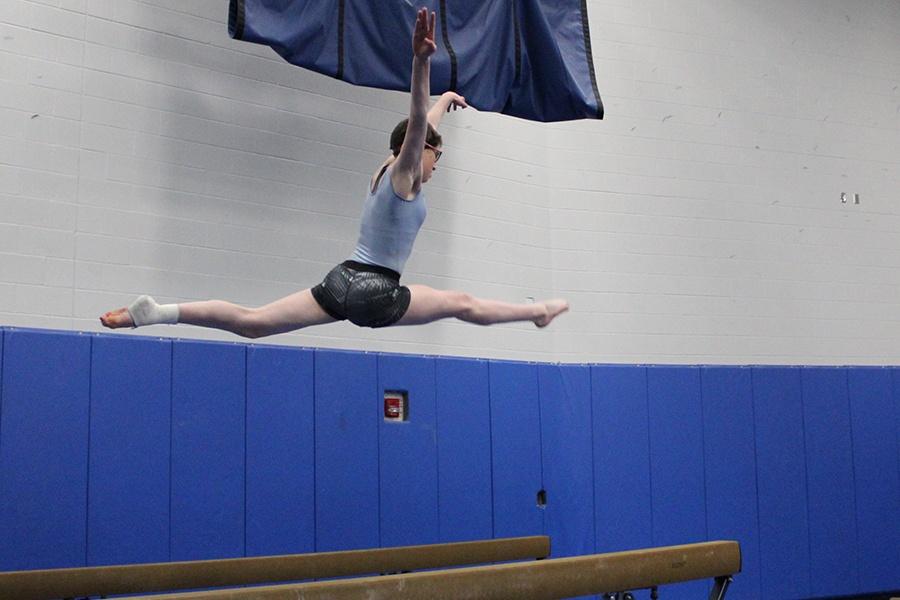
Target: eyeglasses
(437, 153)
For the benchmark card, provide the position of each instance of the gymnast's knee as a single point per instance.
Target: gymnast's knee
(467, 308)
(253, 324)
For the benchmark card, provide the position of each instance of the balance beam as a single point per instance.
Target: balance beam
(541, 580)
(158, 577)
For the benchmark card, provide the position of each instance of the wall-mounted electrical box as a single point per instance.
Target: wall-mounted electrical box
(396, 405)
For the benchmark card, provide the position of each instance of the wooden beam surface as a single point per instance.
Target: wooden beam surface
(135, 579)
(541, 580)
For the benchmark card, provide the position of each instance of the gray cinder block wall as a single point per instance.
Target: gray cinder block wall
(143, 151)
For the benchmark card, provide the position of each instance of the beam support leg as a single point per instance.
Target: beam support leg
(720, 587)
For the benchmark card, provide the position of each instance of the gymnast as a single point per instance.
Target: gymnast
(366, 289)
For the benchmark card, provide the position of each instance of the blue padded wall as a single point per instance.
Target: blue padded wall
(347, 417)
(463, 408)
(676, 462)
(875, 468)
(516, 453)
(208, 450)
(128, 497)
(781, 481)
(408, 454)
(621, 458)
(280, 509)
(2, 339)
(829, 468)
(895, 380)
(566, 438)
(730, 462)
(44, 449)
(120, 449)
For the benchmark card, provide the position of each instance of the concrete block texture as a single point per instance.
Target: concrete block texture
(143, 151)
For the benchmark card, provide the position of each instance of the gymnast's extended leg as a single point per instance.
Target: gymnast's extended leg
(287, 314)
(428, 304)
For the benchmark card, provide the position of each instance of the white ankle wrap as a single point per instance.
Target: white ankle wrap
(145, 311)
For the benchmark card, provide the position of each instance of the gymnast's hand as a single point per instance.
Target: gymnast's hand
(423, 36)
(454, 100)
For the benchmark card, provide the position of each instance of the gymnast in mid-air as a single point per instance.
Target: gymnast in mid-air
(366, 289)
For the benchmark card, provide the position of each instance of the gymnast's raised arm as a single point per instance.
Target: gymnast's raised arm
(406, 175)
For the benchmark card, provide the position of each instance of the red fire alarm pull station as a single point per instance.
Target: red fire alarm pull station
(396, 405)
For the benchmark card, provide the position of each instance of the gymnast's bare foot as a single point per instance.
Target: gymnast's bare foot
(117, 318)
(554, 307)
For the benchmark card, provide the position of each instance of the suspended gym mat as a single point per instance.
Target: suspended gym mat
(526, 58)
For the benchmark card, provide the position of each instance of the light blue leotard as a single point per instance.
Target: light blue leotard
(389, 226)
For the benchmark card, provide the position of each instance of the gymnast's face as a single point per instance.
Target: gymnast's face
(429, 159)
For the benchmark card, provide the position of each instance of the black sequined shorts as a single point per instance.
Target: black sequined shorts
(367, 295)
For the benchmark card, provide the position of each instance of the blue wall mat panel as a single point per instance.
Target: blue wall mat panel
(44, 449)
(408, 454)
(208, 450)
(829, 468)
(676, 463)
(875, 452)
(730, 459)
(280, 451)
(621, 458)
(781, 482)
(567, 451)
(128, 497)
(516, 454)
(347, 413)
(895, 379)
(2, 336)
(463, 405)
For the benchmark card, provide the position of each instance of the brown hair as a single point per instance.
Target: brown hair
(399, 134)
